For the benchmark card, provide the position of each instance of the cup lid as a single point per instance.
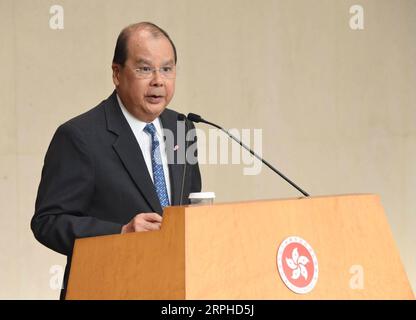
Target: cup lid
(202, 195)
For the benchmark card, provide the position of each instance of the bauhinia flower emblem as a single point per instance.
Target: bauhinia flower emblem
(297, 264)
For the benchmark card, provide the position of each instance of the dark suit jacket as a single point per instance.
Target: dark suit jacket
(95, 180)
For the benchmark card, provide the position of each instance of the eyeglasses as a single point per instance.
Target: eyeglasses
(168, 72)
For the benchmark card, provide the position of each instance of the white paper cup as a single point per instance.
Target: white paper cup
(200, 198)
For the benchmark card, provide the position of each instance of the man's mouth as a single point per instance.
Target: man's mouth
(154, 98)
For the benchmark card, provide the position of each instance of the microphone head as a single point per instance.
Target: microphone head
(181, 117)
(194, 117)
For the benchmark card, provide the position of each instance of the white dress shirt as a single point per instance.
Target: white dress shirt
(145, 142)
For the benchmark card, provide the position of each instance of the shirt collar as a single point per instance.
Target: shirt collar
(136, 123)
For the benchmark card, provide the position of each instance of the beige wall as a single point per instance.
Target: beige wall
(337, 106)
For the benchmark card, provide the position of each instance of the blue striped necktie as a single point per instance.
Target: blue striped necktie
(157, 167)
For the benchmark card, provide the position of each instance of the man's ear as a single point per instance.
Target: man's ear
(116, 73)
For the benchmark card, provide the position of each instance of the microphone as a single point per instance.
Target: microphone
(182, 117)
(197, 118)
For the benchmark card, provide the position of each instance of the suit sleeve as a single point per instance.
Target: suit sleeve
(65, 192)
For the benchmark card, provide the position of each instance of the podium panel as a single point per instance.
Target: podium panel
(229, 251)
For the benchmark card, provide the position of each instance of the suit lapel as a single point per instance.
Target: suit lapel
(128, 149)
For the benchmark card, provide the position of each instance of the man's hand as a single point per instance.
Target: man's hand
(143, 222)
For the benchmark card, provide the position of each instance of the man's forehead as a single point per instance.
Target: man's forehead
(141, 34)
(142, 37)
(142, 44)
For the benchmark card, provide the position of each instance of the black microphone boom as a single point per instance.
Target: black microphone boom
(197, 118)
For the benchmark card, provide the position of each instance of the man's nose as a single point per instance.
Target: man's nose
(157, 79)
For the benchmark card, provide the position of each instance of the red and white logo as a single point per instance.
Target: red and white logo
(297, 265)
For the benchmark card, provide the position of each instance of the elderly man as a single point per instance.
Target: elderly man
(108, 170)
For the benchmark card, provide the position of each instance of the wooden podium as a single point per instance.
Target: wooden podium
(229, 251)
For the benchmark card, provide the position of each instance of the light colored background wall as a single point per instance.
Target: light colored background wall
(337, 106)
